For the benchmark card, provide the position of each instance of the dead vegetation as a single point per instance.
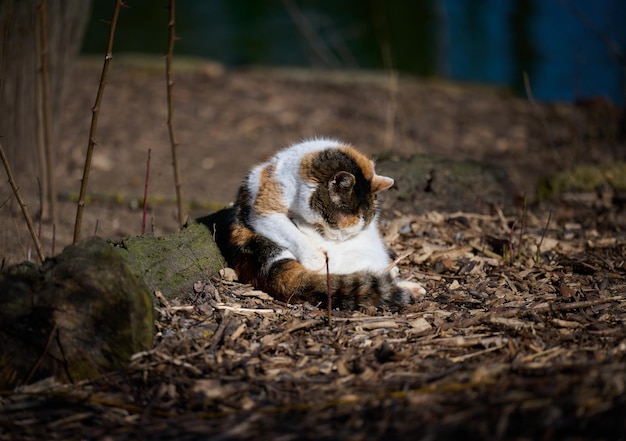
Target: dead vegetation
(529, 346)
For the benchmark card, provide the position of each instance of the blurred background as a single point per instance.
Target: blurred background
(485, 146)
(570, 49)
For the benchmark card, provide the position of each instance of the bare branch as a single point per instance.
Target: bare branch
(145, 195)
(49, 184)
(312, 37)
(94, 122)
(20, 201)
(170, 110)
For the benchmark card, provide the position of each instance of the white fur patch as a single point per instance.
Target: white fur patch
(357, 248)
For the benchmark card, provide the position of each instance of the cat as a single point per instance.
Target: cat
(311, 205)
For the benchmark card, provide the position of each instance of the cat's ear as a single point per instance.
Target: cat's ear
(340, 185)
(380, 183)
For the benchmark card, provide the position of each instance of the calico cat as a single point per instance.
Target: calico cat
(311, 203)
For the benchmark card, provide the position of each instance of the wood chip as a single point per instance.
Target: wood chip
(369, 325)
(420, 325)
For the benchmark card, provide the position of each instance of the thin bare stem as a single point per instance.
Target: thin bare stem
(20, 201)
(54, 239)
(94, 122)
(40, 208)
(510, 249)
(521, 231)
(145, 195)
(170, 111)
(6, 201)
(328, 293)
(392, 103)
(310, 35)
(392, 107)
(614, 47)
(8, 17)
(49, 186)
(42, 178)
(529, 92)
(43, 354)
(543, 235)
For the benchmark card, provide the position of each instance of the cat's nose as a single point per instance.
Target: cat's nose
(344, 235)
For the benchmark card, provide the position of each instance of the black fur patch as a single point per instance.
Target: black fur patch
(359, 202)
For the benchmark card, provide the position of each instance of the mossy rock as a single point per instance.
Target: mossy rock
(173, 263)
(87, 310)
(583, 178)
(78, 315)
(431, 182)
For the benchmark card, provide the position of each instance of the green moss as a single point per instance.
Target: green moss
(172, 264)
(584, 178)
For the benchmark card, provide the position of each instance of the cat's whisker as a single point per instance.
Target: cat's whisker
(398, 260)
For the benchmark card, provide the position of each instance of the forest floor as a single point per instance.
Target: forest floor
(520, 335)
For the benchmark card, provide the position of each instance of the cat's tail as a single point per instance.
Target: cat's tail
(288, 280)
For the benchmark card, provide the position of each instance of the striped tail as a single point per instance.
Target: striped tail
(288, 280)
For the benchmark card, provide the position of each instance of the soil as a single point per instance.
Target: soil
(226, 121)
(521, 333)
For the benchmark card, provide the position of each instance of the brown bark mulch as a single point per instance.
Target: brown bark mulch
(521, 335)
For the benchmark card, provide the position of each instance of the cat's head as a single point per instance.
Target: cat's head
(343, 201)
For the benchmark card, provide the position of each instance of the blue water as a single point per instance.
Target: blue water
(569, 49)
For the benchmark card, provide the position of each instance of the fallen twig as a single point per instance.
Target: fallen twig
(398, 260)
(575, 305)
(462, 358)
(247, 311)
(485, 251)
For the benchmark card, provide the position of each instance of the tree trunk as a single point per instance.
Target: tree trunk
(21, 130)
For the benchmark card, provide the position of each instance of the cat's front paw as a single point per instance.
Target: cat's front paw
(314, 260)
(416, 290)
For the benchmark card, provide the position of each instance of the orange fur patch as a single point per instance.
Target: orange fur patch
(347, 220)
(365, 164)
(290, 280)
(268, 200)
(241, 235)
(380, 183)
(306, 167)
